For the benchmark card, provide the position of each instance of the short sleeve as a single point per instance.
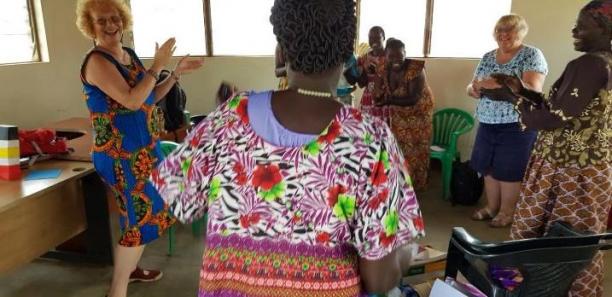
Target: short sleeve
(534, 60)
(387, 213)
(183, 178)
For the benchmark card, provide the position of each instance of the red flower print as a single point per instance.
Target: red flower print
(386, 240)
(332, 194)
(249, 219)
(242, 111)
(157, 180)
(418, 223)
(241, 177)
(323, 237)
(195, 141)
(379, 199)
(332, 132)
(266, 177)
(378, 176)
(357, 114)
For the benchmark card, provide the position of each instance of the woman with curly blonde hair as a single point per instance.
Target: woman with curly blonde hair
(121, 95)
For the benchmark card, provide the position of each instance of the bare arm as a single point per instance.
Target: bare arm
(162, 88)
(415, 89)
(380, 276)
(104, 75)
(534, 80)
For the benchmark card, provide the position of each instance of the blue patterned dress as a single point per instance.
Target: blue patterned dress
(125, 150)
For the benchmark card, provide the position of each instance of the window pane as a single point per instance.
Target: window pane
(16, 39)
(158, 20)
(401, 19)
(242, 27)
(465, 28)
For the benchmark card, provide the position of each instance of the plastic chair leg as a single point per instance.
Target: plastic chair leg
(196, 227)
(199, 227)
(447, 171)
(170, 240)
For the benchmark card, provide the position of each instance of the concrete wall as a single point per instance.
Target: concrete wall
(33, 94)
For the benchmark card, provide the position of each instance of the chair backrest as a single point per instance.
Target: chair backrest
(447, 121)
(167, 147)
(548, 265)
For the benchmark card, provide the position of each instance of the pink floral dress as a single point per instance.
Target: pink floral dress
(290, 221)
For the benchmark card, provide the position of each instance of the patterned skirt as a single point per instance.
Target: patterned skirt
(581, 196)
(143, 215)
(412, 127)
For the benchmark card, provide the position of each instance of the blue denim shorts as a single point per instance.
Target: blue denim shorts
(502, 151)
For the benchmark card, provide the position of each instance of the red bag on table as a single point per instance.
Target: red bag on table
(41, 141)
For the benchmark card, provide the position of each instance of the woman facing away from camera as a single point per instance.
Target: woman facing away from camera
(305, 196)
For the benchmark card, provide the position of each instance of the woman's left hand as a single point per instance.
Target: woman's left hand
(187, 65)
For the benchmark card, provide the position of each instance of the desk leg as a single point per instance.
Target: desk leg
(98, 247)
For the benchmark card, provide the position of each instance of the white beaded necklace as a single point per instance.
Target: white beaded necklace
(314, 93)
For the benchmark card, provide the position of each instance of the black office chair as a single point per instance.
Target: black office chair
(549, 265)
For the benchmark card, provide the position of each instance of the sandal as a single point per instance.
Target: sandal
(501, 220)
(482, 214)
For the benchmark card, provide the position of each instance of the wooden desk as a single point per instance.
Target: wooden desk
(36, 216)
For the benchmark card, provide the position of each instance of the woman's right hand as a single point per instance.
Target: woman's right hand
(163, 54)
(473, 90)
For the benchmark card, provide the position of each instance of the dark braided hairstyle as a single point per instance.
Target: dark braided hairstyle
(315, 35)
(393, 43)
(601, 10)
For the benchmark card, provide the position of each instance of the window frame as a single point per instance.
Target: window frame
(427, 37)
(37, 34)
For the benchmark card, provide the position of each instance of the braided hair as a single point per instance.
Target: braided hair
(601, 10)
(315, 35)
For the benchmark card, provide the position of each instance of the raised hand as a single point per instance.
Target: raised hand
(187, 65)
(164, 53)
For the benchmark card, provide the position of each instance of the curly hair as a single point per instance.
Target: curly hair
(601, 10)
(315, 35)
(85, 7)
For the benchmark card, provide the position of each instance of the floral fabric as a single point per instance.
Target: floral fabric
(374, 90)
(290, 220)
(576, 117)
(412, 125)
(125, 151)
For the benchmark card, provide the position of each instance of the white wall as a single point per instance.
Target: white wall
(33, 94)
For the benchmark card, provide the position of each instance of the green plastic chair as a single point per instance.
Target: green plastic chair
(448, 125)
(198, 227)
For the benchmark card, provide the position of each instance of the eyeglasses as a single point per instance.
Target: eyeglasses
(114, 19)
(505, 30)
